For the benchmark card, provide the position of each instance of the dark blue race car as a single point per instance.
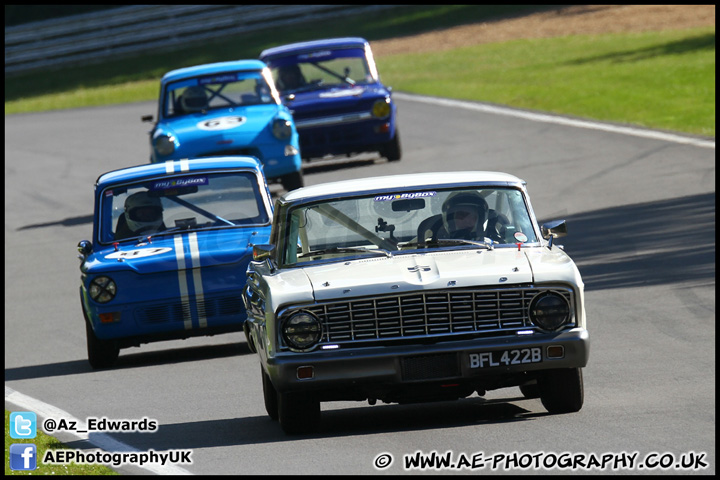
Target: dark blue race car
(171, 244)
(333, 90)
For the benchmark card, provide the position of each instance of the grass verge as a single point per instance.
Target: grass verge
(663, 80)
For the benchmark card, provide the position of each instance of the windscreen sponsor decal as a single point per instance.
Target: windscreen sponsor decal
(315, 55)
(222, 78)
(346, 92)
(221, 123)
(179, 182)
(404, 196)
(138, 253)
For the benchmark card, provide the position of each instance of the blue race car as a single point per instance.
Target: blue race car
(171, 245)
(334, 91)
(226, 108)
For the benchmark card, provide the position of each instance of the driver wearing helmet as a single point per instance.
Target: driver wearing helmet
(290, 77)
(464, 215)
(193, 100)
(142, 216)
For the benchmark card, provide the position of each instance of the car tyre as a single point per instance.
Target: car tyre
(561, 390)
(292, 181)
(530, 390)
(392, 150)
(270, 395)
(298, 412)
(101, 353)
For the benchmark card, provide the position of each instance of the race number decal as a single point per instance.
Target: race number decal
(139, 253)
(221, 123)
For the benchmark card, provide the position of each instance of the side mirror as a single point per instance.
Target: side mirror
(554, 229)
(265, 254)
(147, 118)
(85, 247)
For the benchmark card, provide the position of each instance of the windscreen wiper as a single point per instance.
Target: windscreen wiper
(323, 251)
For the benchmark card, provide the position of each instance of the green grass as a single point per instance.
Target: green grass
(663, 80)
(43, 443)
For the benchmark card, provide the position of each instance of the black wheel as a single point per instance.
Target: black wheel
(392, 150)
(101, 353)
(292, 181)
(561, 390)
(530, 390)
(298, 412)
(270, 395)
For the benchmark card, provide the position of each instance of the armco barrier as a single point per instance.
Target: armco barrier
(92, 37)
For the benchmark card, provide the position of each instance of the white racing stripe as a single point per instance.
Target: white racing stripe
(197, 278)
(182, 276)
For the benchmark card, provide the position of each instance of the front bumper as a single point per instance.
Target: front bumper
(385, 371)
(144, 322)
(320, 137)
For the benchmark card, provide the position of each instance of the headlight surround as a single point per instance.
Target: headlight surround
(102, 289)
(550, 310)
(281, 129)
(164, 144)
(381, 108)
(301, 330)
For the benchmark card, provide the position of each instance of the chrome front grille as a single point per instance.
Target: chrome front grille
(479, 312)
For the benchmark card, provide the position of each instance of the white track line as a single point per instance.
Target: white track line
(548, 118)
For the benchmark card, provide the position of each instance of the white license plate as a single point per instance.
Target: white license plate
(505, 358)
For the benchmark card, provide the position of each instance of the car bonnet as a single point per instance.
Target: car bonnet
(407, 273)
(197, 249)
(244, 122)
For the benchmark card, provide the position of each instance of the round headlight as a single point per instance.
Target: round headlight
(549, 311)
(281, 129)
(381, 108)
(102, 289)
(302, 330)
(165, 145)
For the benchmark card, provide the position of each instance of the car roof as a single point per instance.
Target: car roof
(347, 42)
(177, 166)
(401, 183)
(212, 68)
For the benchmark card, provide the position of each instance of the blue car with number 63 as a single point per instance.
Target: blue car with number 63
(171, 244)
(226, 108)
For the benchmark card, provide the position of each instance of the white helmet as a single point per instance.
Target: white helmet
(143, 212)
(193, 99)
(464, 201)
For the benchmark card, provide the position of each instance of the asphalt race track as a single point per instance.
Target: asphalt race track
(641, 221)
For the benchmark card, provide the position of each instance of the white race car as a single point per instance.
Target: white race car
(411, 288)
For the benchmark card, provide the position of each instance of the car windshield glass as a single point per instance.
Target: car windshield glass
(321, 69)
(162, 206)
(404, 222)
(231, 89)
